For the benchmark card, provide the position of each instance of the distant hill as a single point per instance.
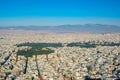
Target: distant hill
(97, 28)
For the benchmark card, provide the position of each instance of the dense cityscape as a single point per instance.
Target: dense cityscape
(59, 39)
(44, 55)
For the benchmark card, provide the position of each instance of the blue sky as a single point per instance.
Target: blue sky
(59, 12)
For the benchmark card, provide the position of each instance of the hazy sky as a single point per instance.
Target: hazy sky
(58, 12)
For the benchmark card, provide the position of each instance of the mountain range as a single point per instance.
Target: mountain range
(97, 28)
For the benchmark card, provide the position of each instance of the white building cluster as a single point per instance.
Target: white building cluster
(66, 63)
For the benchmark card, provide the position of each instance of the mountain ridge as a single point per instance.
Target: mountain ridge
(99, 28)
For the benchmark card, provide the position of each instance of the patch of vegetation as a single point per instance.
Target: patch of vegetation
(82, 45)
(40, 45)
(91, 45)
(34, 51)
